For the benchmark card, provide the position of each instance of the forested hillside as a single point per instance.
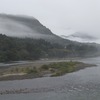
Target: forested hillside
(14, 49)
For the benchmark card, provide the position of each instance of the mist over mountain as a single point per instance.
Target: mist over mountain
(82, 37)
(22, 26)
(26, 38)
(27, 27)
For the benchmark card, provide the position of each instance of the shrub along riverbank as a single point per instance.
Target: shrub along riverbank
(52, 70)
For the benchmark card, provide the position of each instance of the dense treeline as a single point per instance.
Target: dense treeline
(12, 49)
(83, 50)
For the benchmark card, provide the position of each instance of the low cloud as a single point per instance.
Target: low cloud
(61, 16)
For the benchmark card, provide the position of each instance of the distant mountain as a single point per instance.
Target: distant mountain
(25, 26)
(81, 37)
(34, 39)
(22, 26)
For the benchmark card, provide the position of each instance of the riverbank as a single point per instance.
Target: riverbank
(52, 69)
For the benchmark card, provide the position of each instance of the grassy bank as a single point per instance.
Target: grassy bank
(61, 68)
(52, 70)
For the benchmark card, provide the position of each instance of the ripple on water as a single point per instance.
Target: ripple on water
(81, 85)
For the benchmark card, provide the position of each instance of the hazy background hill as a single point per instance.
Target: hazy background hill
(25, 26)
(82, 37)
(27, 39)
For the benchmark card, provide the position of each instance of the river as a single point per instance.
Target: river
(80, 85)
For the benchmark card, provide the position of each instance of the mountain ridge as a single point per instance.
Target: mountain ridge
(27, 27)
(26, 38)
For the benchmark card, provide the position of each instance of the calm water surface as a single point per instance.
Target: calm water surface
(80, 85)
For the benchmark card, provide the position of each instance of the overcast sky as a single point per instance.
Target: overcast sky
(61, 16)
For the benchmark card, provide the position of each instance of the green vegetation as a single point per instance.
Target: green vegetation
(14, 49)
(53, 70)
(26, 70)
(61, 68)
(32, 70)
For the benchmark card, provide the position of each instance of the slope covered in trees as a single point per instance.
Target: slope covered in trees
(13, 49)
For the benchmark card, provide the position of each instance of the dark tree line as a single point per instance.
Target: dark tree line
(14, 49)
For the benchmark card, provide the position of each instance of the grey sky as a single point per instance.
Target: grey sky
(61, 16)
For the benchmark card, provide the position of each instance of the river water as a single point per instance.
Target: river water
(80, 85)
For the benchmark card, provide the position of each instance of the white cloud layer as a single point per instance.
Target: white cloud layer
(61, 16)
